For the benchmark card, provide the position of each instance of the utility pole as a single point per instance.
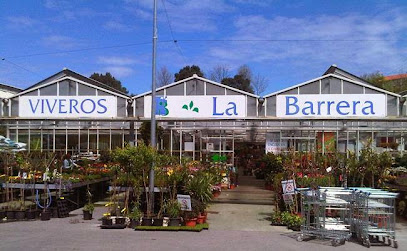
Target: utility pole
(150, 207)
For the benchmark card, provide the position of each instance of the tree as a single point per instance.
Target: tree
(245, 72)
(109, 80)
(259, 84)
(238, 82)
(164, 77)
(187, 72)
(219, 72)
(375, 78)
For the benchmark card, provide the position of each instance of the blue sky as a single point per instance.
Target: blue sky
(39, 27)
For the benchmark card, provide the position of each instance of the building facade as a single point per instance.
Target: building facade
(338, 111)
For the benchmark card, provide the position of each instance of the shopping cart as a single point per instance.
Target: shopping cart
(374, 216)
(326, 213)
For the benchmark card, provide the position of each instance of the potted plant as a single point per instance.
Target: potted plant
(173, 210)
(135, 216)
(88, 210)
(276, 219)
(295, 222)
(190, 218)
(106, 220)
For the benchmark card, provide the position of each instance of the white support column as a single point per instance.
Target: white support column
(29, 136)
(193, 140)
(79, 136)
(171, 141)
(110, 136)
(180, 145)
(97, 137)
(88, 147)
(66, 137)
(54, 137)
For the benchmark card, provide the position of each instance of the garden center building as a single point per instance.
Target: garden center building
(338, 111)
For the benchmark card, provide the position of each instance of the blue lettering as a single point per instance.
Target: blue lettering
(233, 108)
(61, 105)
(31, 105)
(368, 107)
(42, 106)
(309, 107)
(288, 104)
(101, 105)
(51, 110)
(93, 106)
(320, 103)
(340, 105)
(354, 106)
(214, 108)
(329, 106)
(73, 106)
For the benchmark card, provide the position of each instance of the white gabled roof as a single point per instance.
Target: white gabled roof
(338, 77)
(68, 78)
(200, 78)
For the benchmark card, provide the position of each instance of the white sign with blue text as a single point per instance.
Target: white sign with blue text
(67, 106)
(232, 106)
(331, 105)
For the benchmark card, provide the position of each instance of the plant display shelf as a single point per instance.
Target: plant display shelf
(53, 186)
(197, 228)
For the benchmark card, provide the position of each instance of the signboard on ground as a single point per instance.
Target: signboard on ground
(331, 105)
(67, 106)
(226, 106)
(185, 201)
(288, 199)
(274, 144)
(288, 186)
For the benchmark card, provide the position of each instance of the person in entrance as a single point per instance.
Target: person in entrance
(68, 162)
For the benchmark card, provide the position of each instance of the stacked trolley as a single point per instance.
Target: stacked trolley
(326, 213)
(374, 216)
(336, 213)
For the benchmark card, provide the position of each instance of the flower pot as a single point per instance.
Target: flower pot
(232, 186)
(200, 219)
(174, 222)
(87, 215)
(10, 215)
(158, 222)
(30, 214)
(147, 221)
(205, 215)
(54, 212)
(107, 221)
(216, 194)
(19, 215)
(134, 223)
(120, 221)
(190, 222)
(45, 215)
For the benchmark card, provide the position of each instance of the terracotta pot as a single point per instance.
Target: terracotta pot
(200, 219)
(216, 194)
(232, 186)
(190, 222)
(205, 215)
(87, 215)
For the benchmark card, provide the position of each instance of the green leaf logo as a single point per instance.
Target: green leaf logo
(191, 107)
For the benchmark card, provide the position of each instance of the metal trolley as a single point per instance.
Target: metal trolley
(327, 214)
(374, 216)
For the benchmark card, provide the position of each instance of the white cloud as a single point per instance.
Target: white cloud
(185, 15)
(385, 53)
(117, 26)
(21, 22)
(114, 60)
(119, 71)
(61, 42)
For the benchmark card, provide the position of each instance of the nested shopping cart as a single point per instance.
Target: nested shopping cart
(327, 213)
(374, 216)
